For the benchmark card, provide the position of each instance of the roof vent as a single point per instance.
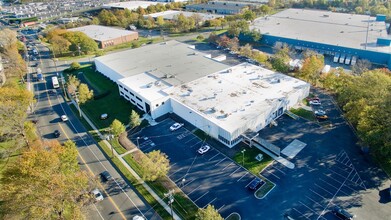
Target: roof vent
(149, 85)
(326, 16)
(229, 71)
(157, 83)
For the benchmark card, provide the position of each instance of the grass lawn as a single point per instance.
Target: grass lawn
(117, 146)
(221, 31)
(303, 113)
(250, 163)
(112, 104)
(233, 216)
(201, 134)
(261, 192)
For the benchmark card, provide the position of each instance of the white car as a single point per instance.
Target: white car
(320, 112)
(137, 217)
(315, 102)
(98, 195)
(176, 126)
(203, 149)
(64, 118)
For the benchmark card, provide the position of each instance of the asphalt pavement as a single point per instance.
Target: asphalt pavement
(121, 200)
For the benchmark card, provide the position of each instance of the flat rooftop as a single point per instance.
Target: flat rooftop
(102, 33)
(131, 5)
(170, 14)
(173, 62)
(236, 97)
(345, 30)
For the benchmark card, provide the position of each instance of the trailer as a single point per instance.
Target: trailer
(347, 60)
(342, 58)
(354, 60)
(336, 58)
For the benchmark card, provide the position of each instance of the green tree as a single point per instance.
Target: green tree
(160, 21)
(155, 164)
(208, 213)
(312, 68)
(80, 42)
(134, 119)
(117, 128)
(361, 66)
(60, 45)
(75, 65)
(85, 93)
(72, 84)
(44, 183)
(248, 15)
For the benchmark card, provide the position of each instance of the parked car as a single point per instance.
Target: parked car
(315, 102)
(320, 112)
(342, 214)
(313, 98)
(56, 133)
(137, 217)
(322, 117)
(52, 91)
(203, 149)
(176, 126)
(64, 118)
(104, 116)
(255, 183)
(106, 175)
(98, 195)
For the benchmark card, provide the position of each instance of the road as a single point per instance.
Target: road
(121, 201)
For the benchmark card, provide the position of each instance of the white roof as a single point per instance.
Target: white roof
(169, 15)
(103, 33)
(346, 30)
(131, 5)
(146, 85)
(236, 96)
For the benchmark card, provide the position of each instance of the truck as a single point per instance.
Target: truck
(336, 58)
(342, 58)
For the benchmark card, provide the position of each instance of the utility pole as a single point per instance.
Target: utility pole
(244, 150)
(170, 201)
(76, 94)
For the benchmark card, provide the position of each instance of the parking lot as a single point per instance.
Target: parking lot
(211, 178)
(330, 171)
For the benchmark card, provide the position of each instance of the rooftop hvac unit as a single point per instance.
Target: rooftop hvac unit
(157, 83)
(149, 85)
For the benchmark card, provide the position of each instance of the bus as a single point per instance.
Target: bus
(55, 82)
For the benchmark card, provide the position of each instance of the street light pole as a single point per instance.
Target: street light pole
(77, 101)
(170, 201)
(244, 150)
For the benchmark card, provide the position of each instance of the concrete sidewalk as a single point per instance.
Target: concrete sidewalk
(161, 202)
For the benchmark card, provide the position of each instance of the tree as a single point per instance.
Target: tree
(80, 42)
(209, 213)
(117, 128)
(265, 9)
(75, 65)
(85, 93)
(7, 39)
(248, 15)
(361, 66)
(134, 119)
(44, 183)
(312, 68)
(245, 50)
(59, 44)
(72, 84)
(155, 164)
(215, 23)
(160, 21)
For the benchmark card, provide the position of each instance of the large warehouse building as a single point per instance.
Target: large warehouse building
(222, 101)
(107, 36)
(330, 33)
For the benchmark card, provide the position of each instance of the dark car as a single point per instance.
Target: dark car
(106, 175)
(56, 133)
(389, 190)
(342, 214)
(255, 183)
(52, 92)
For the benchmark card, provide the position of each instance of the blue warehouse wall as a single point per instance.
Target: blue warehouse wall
(372, 56)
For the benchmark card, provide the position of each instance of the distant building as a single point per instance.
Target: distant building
(346, 37)
(131, 5)
(223, 101)
(165, 1)
(170, 14)
(220, 7)
(107, 36)
(67, 20)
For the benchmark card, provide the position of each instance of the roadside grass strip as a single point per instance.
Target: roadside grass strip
(309, 115)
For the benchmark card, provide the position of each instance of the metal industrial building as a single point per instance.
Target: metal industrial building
(329, 33)
(221, 100)
(107, 36)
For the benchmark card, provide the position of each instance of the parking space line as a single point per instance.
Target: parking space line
(323, 189)
(188, 183)
(227, 166)
(314, 201)
(220, 161)
(279, 170)
(235, 171)
(242, 176)
(194, 190)
(214, 156)
(273, 174)
(191, 139)
(333, 186)
(318, 194)
(221, 207)
(308, 208)
(301, 214)
(195, 144)
(201, 197)
(348, 179)
(175, 172)
(209, 203)
(343, 169)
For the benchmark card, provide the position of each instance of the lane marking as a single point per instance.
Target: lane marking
(218, 153)
(324, 189)
(227, 166)
(234, 171)
(194, 190)
(300, 213)
(242, 176)
(201, 197)
(314, 201)
(220, 161)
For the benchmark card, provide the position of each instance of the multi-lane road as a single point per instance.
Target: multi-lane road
(121, 201)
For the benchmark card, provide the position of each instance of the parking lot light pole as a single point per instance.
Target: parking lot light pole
(138, 146)
(244, 150)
